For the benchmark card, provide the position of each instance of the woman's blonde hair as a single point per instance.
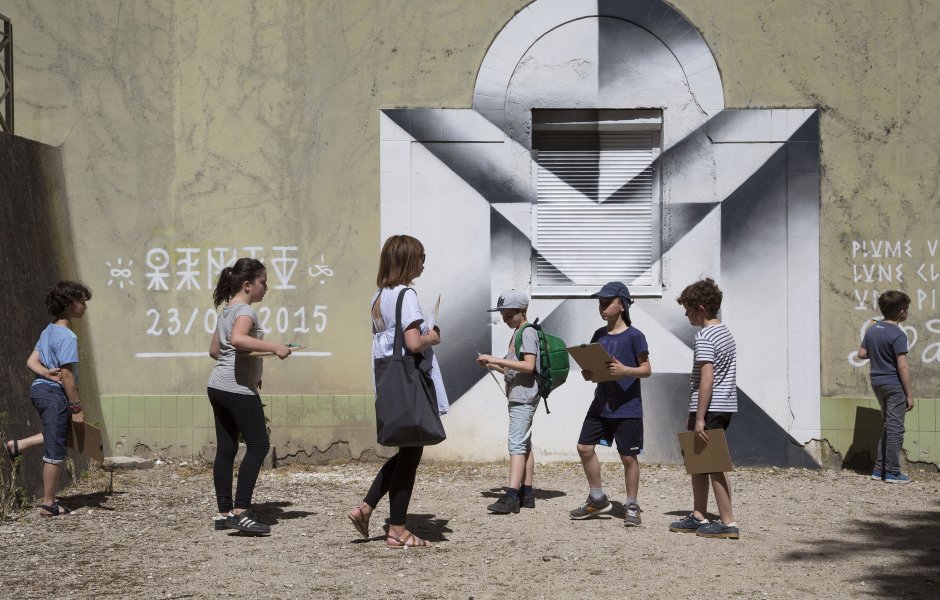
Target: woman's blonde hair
(400, 262)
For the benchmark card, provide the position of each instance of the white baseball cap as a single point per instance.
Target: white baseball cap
(511, 299)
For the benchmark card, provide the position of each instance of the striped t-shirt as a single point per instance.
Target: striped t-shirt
(714, 344)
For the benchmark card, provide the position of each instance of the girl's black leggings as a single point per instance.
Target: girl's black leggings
(397, 479)
(237, 414)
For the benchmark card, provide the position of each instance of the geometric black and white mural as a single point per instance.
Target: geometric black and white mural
(737, 199)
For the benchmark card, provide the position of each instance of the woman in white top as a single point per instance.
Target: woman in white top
(401, 262)
(233, 391)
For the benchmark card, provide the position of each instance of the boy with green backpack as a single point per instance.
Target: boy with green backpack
(531, 368)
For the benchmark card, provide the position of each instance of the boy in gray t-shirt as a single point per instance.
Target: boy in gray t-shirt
(885, 345)
(522, 391)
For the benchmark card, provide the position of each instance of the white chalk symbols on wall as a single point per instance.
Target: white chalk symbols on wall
(896, 264)
(195, 269)
(119, 273)
(908, 265)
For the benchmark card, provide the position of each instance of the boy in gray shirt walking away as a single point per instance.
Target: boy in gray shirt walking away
(885, 345)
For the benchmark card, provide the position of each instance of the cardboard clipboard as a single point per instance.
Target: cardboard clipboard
(593, 358)
(700, 457)
(86, 440)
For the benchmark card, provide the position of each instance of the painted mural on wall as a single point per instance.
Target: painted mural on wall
(738, 201)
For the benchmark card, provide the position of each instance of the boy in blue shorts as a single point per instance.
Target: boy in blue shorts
(617, 411)
(522, 391)
(885, 345)
(55, 389)
(714, 399)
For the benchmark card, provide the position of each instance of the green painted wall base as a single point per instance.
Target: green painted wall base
(314, 428)
(853, 428)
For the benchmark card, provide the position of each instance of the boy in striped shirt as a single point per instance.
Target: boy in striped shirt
(714, 400)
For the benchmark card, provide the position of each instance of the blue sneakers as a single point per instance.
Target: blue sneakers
(717, 529)
(890, 477)
(688, 524)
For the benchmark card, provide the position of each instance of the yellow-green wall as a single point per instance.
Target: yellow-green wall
(228, 123)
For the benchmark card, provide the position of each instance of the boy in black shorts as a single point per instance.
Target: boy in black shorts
(714, 399)
(617, 411)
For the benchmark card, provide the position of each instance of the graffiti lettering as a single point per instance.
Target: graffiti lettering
(195, 273)
(173, 322)
(929, 354)
(881, 248)
(284, 267)
(189, 273)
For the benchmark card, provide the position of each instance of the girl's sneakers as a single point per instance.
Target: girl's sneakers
(247, 522)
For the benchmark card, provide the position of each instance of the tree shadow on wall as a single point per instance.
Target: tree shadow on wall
(908, 545)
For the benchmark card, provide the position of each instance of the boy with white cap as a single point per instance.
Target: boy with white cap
(522, 391)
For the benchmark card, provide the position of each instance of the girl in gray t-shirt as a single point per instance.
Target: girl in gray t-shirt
(233, 391)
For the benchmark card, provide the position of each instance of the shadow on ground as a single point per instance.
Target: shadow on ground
(909, 545)
(93, 500)
(540, 494)
(272, 512)
(423, 525)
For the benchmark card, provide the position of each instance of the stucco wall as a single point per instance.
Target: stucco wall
(239, 124)
(35, 252)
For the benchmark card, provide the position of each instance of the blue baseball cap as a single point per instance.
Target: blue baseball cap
(615, 289)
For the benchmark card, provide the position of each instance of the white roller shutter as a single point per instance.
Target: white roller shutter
(597, 215)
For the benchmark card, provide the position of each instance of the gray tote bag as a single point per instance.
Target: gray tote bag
(405, 401)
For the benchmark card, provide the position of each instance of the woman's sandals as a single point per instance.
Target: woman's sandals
(361, 523)
(408, 541)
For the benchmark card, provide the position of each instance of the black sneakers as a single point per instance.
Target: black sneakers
(247, 522)
(504, 505)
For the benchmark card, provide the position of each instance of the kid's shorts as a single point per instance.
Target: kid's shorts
(628, 433)
(53, 408)
(713, 420)
(520, 427)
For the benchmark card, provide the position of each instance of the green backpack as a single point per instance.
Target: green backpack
(553, 352)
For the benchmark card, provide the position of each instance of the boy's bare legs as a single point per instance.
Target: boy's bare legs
(631, 475)
(529, 468)
(592, 466)
(50, 481)
(721, 485)
(26, 443)
(519, 469)
(700, 496)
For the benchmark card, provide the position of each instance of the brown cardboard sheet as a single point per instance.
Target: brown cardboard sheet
(87, 440)
(593, 358)
(700, 457)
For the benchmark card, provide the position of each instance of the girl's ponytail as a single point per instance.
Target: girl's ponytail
(221, 293)
(232, 278)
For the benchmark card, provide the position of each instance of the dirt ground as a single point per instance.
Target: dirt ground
(805, 534)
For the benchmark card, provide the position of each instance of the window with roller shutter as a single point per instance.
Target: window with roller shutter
(598, 216)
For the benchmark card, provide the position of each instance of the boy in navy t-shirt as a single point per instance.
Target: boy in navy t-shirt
(617, 411)
(885, 345)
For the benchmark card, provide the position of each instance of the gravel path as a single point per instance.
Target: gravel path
(805, 534)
